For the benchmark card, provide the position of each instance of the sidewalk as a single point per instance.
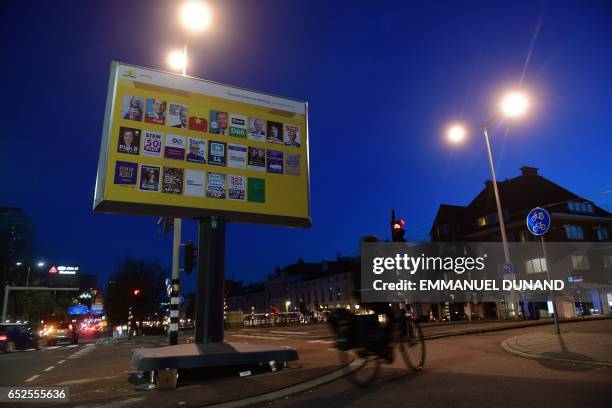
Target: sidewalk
(586, 344)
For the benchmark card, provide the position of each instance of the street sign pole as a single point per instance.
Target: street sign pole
(174, 298)
(552, 294)
(538, 223)
(209, 285)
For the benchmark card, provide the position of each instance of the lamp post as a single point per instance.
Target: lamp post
(513, 105)
(194, 16)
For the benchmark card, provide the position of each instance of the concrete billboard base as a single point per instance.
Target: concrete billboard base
(222, 354)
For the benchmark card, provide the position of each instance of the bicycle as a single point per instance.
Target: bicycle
(372, 339)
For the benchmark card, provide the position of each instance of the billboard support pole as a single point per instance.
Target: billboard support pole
(175, 295)
(209, 284)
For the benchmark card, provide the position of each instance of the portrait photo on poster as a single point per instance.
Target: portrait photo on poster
(155, 111)
(256, 158)
(129, 140)
(149, 177)
(132, 107)
(177, 115)
(275, 132)
(292, 136)
(196, 150)
(218, 122)
(257, 129)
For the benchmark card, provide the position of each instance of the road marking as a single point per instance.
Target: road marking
(53, 347)
(252, 336)
(288, 332)
(72, 345)
(86, 380)
(321, 341)
(32, 378)
(49, 369)
(61, 362)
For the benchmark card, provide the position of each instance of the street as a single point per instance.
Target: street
(460, 370)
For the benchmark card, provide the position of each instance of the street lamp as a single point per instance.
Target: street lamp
(195, 16)
(287, 303)
(513, 105)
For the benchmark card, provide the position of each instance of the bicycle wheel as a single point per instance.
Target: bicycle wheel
(365, 366)
(411, 344)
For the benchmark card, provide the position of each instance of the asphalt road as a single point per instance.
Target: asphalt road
(469, 370)
(473, 371)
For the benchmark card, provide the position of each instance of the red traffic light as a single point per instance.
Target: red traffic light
(136, 292)
(398, 225)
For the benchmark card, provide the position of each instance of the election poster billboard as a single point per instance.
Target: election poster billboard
(184, 147)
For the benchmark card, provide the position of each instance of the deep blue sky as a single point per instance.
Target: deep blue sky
(383, 80)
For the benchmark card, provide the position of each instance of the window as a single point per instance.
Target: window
(574, 232)
(482, 221)
(338, 296)
(444, 229)
(608, 261)
(580, 262)
(330, 295)
(580, 207)
(536, 265)
(603, 234)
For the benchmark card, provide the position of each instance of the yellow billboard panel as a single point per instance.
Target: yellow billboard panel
(184, 147)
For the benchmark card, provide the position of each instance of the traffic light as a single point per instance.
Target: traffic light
(136, 292)
(189, 257)
(397, 229)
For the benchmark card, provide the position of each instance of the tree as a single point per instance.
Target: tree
(135, 283)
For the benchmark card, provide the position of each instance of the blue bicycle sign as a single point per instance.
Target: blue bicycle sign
(538, 221)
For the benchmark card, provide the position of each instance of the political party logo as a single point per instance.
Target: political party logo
(198, 124)
(194, 183)
(217, 153)
(256, 159)
(128, 73)
(177, 115)
(175, 147)
(274, 161)
(219, 122)
(196, 150)
(129, 140)
(173, 180)
(256, 190)
(215, 185)
(293, 164)
(238, 126)
(152, 143)
(236, 187)
(125, 172)
(149, 178)
(236, 156)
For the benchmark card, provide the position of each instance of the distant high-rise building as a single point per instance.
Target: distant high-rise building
(16, 235)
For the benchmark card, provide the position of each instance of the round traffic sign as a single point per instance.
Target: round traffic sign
(538, 221)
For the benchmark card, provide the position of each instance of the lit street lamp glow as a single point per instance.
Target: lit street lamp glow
(40, 264)
(177, 60)
(18, 263)
(195, 16)
(514, 104)
(456, 134)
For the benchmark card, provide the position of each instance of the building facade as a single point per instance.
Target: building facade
(573, 219)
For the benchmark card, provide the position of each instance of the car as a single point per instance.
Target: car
(60, 332)
(19, 336)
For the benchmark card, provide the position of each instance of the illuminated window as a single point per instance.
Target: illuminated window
(482, 221)
(580, 262)
(536, 265)
(580, 207)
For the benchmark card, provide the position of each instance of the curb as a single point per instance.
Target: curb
(508, 348)
(292, 389)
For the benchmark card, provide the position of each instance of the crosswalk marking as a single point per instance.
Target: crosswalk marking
(254, 336)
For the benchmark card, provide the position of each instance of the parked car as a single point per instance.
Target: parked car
(61, 332)
(19, 336)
